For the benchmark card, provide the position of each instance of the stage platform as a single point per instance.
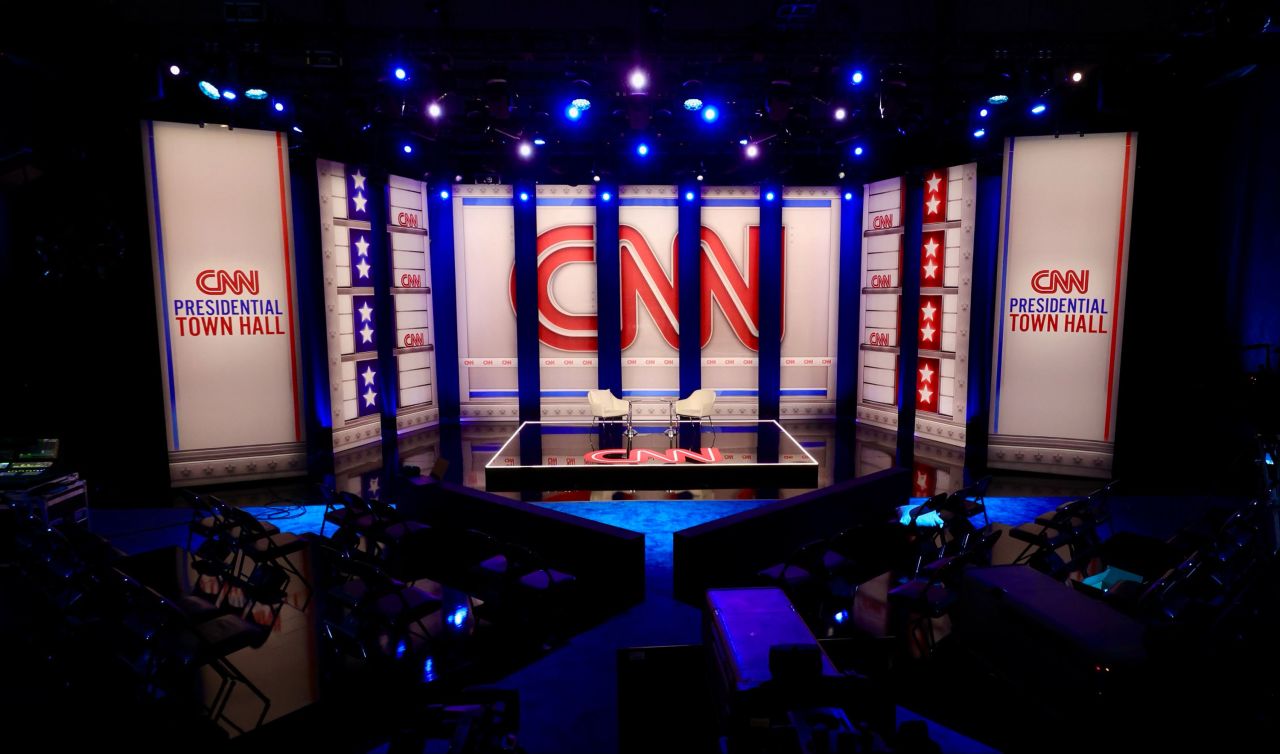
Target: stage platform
(650, 455)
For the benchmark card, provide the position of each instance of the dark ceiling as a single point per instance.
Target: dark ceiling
(504, 71)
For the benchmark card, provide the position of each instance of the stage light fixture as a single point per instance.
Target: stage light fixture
(401, 74)
(606, 196)
(524, 196)
(209, 90)
(434, 111)
(638, 80)
(408, 148)
(841, 616)
(1077, 77)
(857, 151)
(573, 112)
(1038, 108)
(255, 93)
(752, 151)
(840, 113)
(693, 104)
(768, 197)
(539, 142)
(228, 95)
(848, 196)
(742, 142)
(997, 99)
(278, 106)
(444, 193)
(984, 112)
(642, 149)
(688, 196)
(595, 178)
(979, 133)
(297, 129)
(841, 175)
(175, 70)
(699, 177)
(856, 78)
(525, 149)
(711, 113)
(582, 103)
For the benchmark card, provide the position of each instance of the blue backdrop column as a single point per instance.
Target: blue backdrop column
(527, 352)
(688, 260)
(608, 291)
(770, 304)
(849, 331)
(444, 298)
(307, 262)
(908, 348)
(986, 239)
(384, 318)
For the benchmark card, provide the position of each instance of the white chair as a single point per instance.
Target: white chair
(697, 406)
(605, 406)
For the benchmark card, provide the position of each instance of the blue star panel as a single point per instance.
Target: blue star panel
(363, 324)
(357, 193)
(368, 388)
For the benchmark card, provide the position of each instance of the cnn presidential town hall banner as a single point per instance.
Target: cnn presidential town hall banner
(218, 202)
(1064, 251)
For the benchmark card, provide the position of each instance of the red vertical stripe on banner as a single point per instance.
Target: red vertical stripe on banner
(935, 196)
(928, 380)
(1115, 299)
(924, 481)
(933, 249)
(929, 323)
(288, 284)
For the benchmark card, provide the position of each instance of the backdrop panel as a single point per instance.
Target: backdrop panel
(218, 204)
(647, 226)
(409, 245)
(810, 300)
(1060, 314)
(882, 259)
(484, 247)
(729, 297)
(567, 331)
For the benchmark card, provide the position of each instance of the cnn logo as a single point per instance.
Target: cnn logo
(222, 282)
(1060, 281)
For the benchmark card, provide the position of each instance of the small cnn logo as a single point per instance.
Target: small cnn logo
(222, 282)
(644, 455)
(1060, 281)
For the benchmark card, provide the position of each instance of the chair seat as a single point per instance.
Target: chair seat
(923, 595)
(786, 573)
(198, 609)
(408, 603)
(229, 633)
(545, 578)
(400, 530)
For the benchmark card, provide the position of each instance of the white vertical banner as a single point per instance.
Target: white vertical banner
(883, 205)
(218, 204)
(728, 322)
(1063, 258)
(567, 335)
(810, 307)
(648, 220)
(409, 241)
(484, 249)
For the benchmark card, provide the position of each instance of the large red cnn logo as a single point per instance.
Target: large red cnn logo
(644, 455)
(1064, 281)
(222, 282)
(646, 283)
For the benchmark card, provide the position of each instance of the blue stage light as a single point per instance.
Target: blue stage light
(768, 197)
(444, 194)
(688, 196)
(401, 74)
(983, 113)
(458, 617)
(842, 616)
(209, 90)
(175, 70)
(297, 129)
(402, 648)
(408, 149)
(742, 142)
(525, 150)
(848, 196)
(979, 133)
(997, 99)
(606, 196)
(642, 149)
(857, 151)
(752, 151)
(856, 78)
(524, 196)
(1038, 108)
(711, 113)
(255, 93)
(434, 111)
(227, 94)
(428, 670)
(539, 142)
(279, 106)
(573, 112)
(582, 103)
(693, 104)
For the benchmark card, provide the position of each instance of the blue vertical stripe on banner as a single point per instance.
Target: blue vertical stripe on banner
(849, 331)
(1007, 216)
(386, 379)
(608, 291)
(689, 291)
(444, 295)
(982, 313)
(908, 321)
(164, 284)
(769, 307)
(527, 352)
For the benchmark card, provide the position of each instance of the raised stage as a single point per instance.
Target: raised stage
(650, 455)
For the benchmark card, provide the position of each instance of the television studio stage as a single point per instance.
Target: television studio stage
(445, 377)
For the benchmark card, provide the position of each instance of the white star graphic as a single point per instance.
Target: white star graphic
(933, 182)
(921, 479)
(373, 487)
(366, 334)
(929, 269)
(931, 248)
(927, 310)
(370, 397)
(932, 204)
(362, 247)
(364, 269)
(360, 201)
(368, 374)
(926, 374)
(927, 332)
(358, 180)
(366, 312)
(925, 394)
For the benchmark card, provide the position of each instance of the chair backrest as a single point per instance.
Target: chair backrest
(706, 398)
(599, 400)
